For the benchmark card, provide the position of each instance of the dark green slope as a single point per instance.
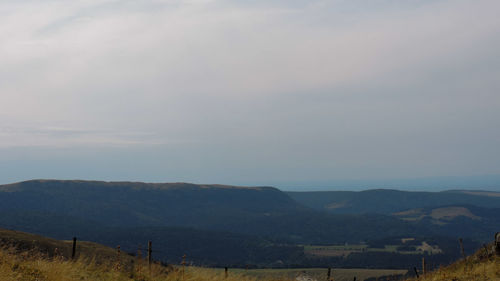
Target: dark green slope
(254, 225)
(140, 204)
(263, 211)
(84, 207)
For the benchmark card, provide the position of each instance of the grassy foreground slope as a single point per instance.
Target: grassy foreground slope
(27, 243)
(25, 256)
(24, 266)
(481, 266)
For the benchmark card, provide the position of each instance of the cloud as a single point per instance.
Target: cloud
(30, 136)
(308, 87)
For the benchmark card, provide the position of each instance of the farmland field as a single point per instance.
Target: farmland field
(345, 250)
(333, 251)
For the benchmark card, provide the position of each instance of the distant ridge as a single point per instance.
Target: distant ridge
(480, 182)
(146, 203)
(45, 182)
(63, 208)
(136, 204)
(388, 201)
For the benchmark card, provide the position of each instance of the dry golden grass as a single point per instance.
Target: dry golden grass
(474, 269)
(32, 266)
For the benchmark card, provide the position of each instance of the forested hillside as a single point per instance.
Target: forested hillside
(261, 211)
(262, 225)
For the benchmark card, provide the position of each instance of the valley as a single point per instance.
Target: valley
(259, 227)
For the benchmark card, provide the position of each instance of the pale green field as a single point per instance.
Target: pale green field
(344, 250)
(334, 247)
(387, 248)
(317, 273)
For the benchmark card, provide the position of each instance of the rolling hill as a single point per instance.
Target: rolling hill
(263, 211)
(139, 204)
(263, 225)
(387, 201)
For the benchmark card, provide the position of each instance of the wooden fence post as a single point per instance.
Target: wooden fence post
(423, 266)
(183, 265)
(462, 247)
(118, 251)
(150, 251)
(497, 243)
(329, 274)
(225, 272)
(73, 252)
(118, 260)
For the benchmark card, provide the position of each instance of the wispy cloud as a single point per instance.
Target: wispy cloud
(359, 87)
(28, 136)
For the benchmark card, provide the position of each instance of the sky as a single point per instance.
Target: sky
(292, 93)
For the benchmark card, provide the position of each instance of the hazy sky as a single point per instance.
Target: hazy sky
(249, 92)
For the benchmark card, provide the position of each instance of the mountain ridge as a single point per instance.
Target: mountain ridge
(388, 201)
(172, 185)
(266, 211)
